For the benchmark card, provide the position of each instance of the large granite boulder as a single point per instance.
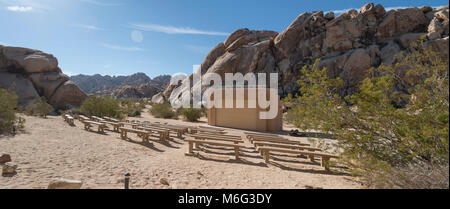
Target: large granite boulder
(23, 87)
(31, 61)
(67, 95)
(32, 74)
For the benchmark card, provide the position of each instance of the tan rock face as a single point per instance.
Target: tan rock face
(68, 95)
(347, 45)
(23, 87)
(32, 61)
(32, 74)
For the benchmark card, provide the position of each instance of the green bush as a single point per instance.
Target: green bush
(163, 110)
(101, 106)
(39, 108)
(191, 114)
(392, 137)
(8, 104)
(132, 107)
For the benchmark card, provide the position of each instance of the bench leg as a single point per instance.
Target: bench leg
(197, 146)
(311, 157)
(326, 163)
(191, 147)
(179, 134)
(236, 153)
(266, 156)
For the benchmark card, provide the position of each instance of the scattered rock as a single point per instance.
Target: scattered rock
(9, 169)
(164, 181)
(65, 184)
(5, 158)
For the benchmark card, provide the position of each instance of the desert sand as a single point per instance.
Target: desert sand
(49, 149)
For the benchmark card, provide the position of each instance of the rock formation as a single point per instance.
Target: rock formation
(347, 45)
(32, 74)
(137, 85)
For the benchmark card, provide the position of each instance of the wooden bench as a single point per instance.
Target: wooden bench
(163, 133)
(212, 128)
(276, 140)
(218, 135)
(325, 157)
(285, 146)
(198, 142)
(141, 133)
(216, 138)
(83, 118)
(202, 130)
(88, 124)
(69, 119)
(111, 119)
(116, 126)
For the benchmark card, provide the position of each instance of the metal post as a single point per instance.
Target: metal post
(127, 180)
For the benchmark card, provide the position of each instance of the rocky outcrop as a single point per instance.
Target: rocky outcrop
(122, 86)
(347, 45)
(32, 74)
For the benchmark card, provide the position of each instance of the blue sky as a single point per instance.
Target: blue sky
(122, 37)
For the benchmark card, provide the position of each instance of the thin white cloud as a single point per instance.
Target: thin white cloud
(3, 43)
(89, 27)
(107, 66)
(122, 48)
(101, 3)
(19, 8)
(176, 30)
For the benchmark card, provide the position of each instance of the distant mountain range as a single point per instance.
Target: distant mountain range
(138, 85)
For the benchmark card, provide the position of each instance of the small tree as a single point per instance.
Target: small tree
(163, 110)
(8, 104)
(40, 108)
(395, 131)
(191, 114)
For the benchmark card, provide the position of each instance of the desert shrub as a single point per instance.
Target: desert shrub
(394, 132)
(101, 106)
(191, 114)
(8, 104)
(163, 110)
(39, 108)
(132, 107)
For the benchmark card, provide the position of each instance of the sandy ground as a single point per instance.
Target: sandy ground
(51, 149)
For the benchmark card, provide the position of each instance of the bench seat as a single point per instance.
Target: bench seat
(198, 142)
(325, 157)
(141, 133)
(88, 124)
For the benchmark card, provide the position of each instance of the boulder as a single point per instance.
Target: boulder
(407, 39)
(47, 83)
(9, 169)
(355, 69)
(68, 95)
(164, 181)
(64, 184)
(401, 21)
(158, 98)
(329, 15)
(216, 52)
(235, 35)
(300, 29)
(31, 61)
(438, 45)
(389, 52)
(5, 158)
(23, 87)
